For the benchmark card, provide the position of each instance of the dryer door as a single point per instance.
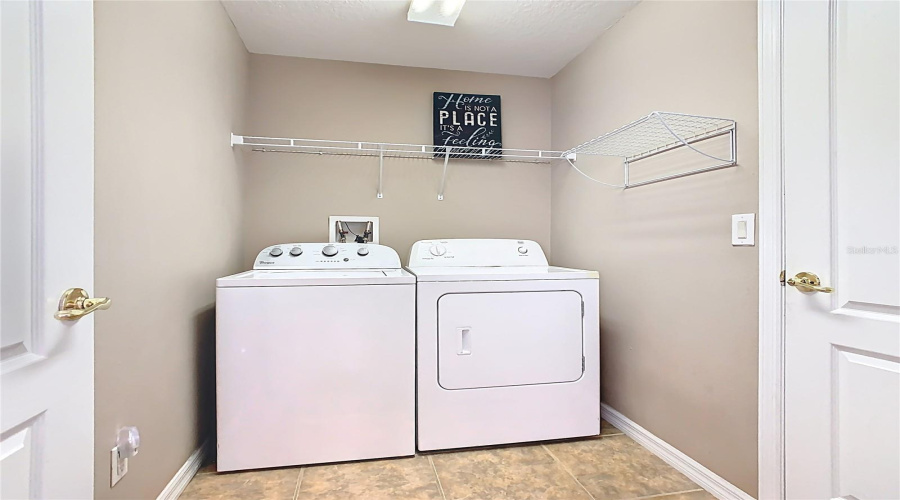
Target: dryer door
(501, 339)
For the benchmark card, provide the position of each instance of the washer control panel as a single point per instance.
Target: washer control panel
(476, 253)
(305, 256)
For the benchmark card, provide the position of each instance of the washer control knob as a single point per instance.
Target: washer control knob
(296, 251)
(523, 250)
(275, 252)
(362, 252)
(437, 250)
(329, 251)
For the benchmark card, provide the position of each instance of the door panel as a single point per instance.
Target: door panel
(842, 222)
(16, 338)
(866, 159)
(511, 338)
(17, 452)
(866, 406)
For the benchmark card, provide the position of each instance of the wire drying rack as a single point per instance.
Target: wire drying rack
(384, 150)
(657, 133)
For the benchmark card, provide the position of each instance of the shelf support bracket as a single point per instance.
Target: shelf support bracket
(688, 144)
(379, 194)
(444, 175)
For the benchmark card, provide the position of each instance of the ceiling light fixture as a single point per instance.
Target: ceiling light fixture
(419, 6)
(443, 12)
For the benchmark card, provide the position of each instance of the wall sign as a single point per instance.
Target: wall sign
(470, 121)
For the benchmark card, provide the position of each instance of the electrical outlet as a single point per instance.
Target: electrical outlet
(118, 466)
(128, 441)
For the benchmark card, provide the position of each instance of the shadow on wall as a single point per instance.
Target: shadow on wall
(205, 352)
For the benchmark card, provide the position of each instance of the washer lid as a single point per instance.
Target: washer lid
(426, 274)
(258, 277)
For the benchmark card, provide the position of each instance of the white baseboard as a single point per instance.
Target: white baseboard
(184, 475)
(705, 478)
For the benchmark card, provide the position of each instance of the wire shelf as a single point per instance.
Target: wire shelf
(384, 150)
(392, 150)
(657, 133)
(653, 134)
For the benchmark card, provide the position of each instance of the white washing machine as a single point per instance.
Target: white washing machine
(508, 347)
(315, 357)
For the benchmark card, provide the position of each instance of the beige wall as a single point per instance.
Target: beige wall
(678, 302)
(170, 86)
(289, 197)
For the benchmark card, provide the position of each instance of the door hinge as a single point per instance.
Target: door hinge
(781, 277)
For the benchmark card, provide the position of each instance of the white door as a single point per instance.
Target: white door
(46, 247)
(841, 99)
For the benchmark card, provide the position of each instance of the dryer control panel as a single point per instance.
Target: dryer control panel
(305, 256)
(476, 253)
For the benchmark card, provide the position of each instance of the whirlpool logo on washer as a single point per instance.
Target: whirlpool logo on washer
(265, 262)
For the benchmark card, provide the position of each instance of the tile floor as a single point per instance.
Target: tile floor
(609, 467)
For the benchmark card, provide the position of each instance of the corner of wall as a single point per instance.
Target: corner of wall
(669, 232)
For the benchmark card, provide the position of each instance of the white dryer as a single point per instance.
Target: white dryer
(315, 357)
(508, 347)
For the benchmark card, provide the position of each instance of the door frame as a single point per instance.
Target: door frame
(771, 461)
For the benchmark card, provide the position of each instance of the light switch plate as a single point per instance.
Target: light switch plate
(743, 230)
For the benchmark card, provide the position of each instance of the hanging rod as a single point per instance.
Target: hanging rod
(393, 150)
(396, 150)
(659, 132)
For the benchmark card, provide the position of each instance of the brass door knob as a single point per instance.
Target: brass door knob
(808, 282)
(75, 303)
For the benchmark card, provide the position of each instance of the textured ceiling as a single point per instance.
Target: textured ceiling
(515, 37)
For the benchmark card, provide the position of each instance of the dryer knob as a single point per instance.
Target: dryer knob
(523, 250)
(329, 251)
(362, 252)
(296, 251)
(438, 250)
(275, 252)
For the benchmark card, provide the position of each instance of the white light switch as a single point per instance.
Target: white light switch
(743, 229)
